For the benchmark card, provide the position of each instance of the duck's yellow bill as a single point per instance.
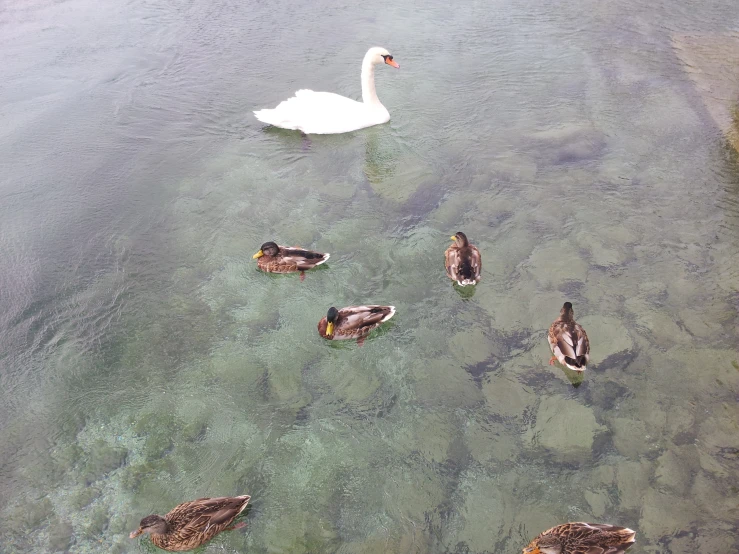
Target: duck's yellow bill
(454, 239)
(330, 328)
(257, 255)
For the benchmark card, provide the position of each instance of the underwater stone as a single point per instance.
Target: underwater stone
(665, 514)
(711, 60)
(607, 335)
(629, 437)
(60, 535)
(571, 142)
(672, 474)
(430, 437)
(505, 312)
(30, 514)
(513, 167)
(554, 263)
(716, 540)
(471, 347)
(565, 427)
(714, 495)
(682, 545)
(598, 501)
(157, 444)
(703, 323)
(507, 396)
(67, 456)
(103, 459)
(632, 479)
(98, 522)
(490, 442)
(679, 420)
(84, 497)
(602, 475)
(484, 515)
(601, 254)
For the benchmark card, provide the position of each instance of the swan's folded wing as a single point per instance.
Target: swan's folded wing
(315, 112)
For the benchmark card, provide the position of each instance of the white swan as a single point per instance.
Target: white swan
(324, 113)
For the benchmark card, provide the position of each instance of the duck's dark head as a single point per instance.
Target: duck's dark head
(331, 317)
(567, 310)
(460, 238)
(267, 249)
(151, 524)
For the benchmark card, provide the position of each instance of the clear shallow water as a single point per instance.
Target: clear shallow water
(144, 361)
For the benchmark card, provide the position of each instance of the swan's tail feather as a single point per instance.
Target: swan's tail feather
(283, 114)
(273, 117)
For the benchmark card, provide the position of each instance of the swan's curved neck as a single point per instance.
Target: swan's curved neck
(369, 94)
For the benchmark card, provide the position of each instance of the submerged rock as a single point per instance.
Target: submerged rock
(565, 427)
(570, 142)
(507, 396)
(598, 500)
(554, 263)
(710, 60)
(672, 473)
(633, 480)
(630, 437)
(60, 535)
(608, 336)
(665, 514)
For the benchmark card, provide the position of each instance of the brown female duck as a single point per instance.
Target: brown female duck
(353, 322)
(274, 258)
(192, 524)
(582, 538)
(463, 261)
(568, 340)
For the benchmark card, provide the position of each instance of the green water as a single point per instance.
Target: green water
(144, 360)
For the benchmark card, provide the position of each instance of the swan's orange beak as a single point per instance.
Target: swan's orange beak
(392, 63)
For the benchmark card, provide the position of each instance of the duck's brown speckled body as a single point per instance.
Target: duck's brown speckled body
(463, 261)
(353, 322)
(192, 524)
(569, 341)
(582, 538)
(274, 258)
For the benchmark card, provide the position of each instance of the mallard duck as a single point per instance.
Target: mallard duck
(274, 258)
(568, 340)
(192, 524)
(463, 262)
(353, 322)
(582, 538)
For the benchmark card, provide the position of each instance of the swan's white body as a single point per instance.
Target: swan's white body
(324, 113)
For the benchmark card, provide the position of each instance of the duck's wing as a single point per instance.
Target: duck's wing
(301, 258)
(566, 340)
(360, 317)
(582, 348)
(205, 512)
(599, 538)
(451, 261)
(475, 262)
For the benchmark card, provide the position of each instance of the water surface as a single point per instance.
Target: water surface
(145, 361)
